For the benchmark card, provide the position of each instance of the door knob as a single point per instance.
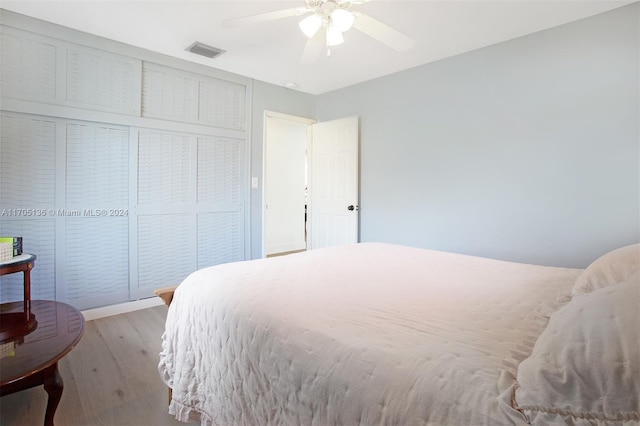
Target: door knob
(352, 207)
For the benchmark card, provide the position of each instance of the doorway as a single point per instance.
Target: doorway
(285, 183)
(311, 182)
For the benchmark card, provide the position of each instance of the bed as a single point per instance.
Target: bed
(377, 333)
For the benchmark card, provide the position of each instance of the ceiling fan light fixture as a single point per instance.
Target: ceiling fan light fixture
(334, 36)
(310, 25)
(342, 19)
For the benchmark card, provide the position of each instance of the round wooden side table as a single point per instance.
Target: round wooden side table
(17, 323)
(32, 359)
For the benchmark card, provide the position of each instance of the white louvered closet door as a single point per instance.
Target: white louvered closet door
(170, 95)
(102, 81)
(28, 181)
(164, 206)
(220, 195)
(190, 207)
(163, 144)
(70, 174)
(96, 247)
(182, 96)
(221, 104)
(28, 68)
(190, 190)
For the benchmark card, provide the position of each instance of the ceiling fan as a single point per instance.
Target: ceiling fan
(327, 21)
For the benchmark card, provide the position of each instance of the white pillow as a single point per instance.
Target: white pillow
(585, 366)
(611, 268)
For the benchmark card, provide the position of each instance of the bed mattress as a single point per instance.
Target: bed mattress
(360, 334)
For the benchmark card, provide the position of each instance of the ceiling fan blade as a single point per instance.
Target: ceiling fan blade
(313, 48)
(265, 17)
(383, 33)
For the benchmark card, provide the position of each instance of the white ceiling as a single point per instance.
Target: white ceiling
(271, 51)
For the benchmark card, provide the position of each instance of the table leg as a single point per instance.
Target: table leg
(27, 291)
(53, 385)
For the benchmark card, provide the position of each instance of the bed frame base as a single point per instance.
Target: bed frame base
(166, 294)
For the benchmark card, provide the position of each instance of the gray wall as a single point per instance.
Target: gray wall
(278, 99)
(527, 150)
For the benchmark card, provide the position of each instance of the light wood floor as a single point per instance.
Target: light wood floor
(110, 378)
(285, 253)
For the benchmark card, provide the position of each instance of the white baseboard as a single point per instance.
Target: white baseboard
(121, 308)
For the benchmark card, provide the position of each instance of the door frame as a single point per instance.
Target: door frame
(277, 116)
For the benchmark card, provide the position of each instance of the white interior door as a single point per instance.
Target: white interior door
(333, 183)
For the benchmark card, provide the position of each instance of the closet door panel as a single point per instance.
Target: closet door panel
(97, 173)
(221, 103)
(28, 68)
(97, 261)
(27, 163)
(165, 210)
(220, 230)
(27, 195)
(97, 223)
(164, 170)
(220, 172)
(177, 95)
(220, 238)
(169, 94)
(102, 81)
(165, 250)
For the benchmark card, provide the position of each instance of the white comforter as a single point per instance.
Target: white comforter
(363, 334)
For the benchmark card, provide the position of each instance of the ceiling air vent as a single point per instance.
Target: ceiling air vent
(204, 50)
